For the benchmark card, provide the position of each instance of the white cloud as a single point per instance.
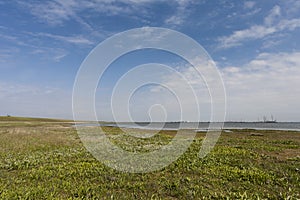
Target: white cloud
(271, 43)
(53, 54)
(180, 92)
(58, 11)
(52, 12)
(291, 7)
(8, 37)
(6, 55)
(251, 13)
(266, 85)
(260, 31)
(29, 100)
(249, 4)
(289, 24)
(77, 39)
(58, 58)
(181, 14)
(273, 16)
(174, 20)
(254, 32)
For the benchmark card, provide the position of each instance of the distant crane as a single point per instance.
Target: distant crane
(273, 120)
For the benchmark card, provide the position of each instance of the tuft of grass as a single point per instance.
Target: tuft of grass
(46, 160)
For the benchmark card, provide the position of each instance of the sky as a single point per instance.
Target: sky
(254, 44)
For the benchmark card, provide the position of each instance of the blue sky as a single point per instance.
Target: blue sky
(255, 44)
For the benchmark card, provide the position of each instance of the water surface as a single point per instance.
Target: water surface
(202, 126)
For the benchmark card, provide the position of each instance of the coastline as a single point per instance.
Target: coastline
(201, 127)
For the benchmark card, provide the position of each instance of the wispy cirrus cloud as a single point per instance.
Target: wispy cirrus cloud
(273, 24)
(13, 38)
(6, 55)
(76, 39)
(18, 41)
(48, 53)
(56, 12)
(51, 12)
(181, 14)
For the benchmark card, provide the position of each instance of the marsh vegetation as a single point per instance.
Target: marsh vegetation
(45, 159)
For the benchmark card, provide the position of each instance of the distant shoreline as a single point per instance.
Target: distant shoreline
(199, 126)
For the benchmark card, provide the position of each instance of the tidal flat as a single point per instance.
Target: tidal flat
(45, 159)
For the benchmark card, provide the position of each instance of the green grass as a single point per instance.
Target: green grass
(29, 119)
(46, 160)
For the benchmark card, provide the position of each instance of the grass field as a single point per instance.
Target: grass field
(45, 159)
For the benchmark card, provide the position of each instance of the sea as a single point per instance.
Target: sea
(200, 126)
